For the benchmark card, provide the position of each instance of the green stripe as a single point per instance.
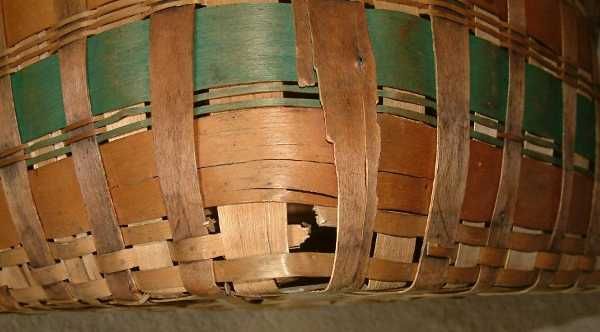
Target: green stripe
(403, 50)
(254, 103)
(100, 139)
(540, 142)
(47, 142)
(484, 121)
(244, 43)
(38, 99)
(489, 78)
(117, 63)
(102, 123)
(49, 155)
(585, 134)
(486, 138)
(245, 90)
(543, 104)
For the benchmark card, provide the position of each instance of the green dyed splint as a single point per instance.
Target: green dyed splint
(255, 103)
(489, 78)
(403, 49)
(117, 63)
(244, 43)
(243, 90)
(585, 133)
(543, 104)
(48, 155)
(38, 99)
(248, 43)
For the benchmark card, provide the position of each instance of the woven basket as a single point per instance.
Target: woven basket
(218, 153)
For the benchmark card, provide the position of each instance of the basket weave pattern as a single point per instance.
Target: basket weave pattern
(223, 153)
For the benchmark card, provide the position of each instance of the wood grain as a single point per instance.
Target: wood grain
(395, 249)
(17, 190)
(24, 18)
(451, 48)
(24, 214)
(386, 222)
(129, 160)
(91, 4)
(482, 182)
(303, 264)
(569, 49)
(171, 92)
(581, 204)
(395, 239)
(232, 142)
(539, 13)
(407, 147)
(264, 133)
(585, 43)
(497, 7)
(8, 236)
(304, 54)
(254, 229)
(171, 35)
(347, 85)
(538, 195)
(240, 132)
(569, 29)
(397, 192)
(506, 199)
(87, 159)
(592, 246)
(60, 204)
(252, 162)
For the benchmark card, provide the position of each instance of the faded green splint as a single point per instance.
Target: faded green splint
(403, 49)
(38, 99)
(585, 133)
(244, 43)
(543, 104)
(117, 62)
(489, 78)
